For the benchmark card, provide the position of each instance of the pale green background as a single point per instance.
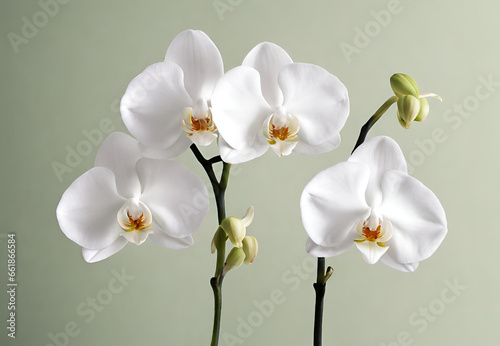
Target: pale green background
(69, 76)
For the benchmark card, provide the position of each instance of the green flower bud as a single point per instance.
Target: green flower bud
(408, 109)
(234, 259)
(235, 230)
(250, 248)
(220, 237)
(402, 84)
(424, 110)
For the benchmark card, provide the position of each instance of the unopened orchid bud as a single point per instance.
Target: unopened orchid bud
(251, 248)
(408, 109)
(235, 230)
(402, 85)
(234, 259)
(424, 110)
(220, 237)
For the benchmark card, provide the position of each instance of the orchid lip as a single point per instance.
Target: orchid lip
(282, 131)
(374, 229)
(134, 216)
(197, 123)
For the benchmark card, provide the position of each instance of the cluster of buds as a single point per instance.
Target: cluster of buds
(245, 247)
(412, 106)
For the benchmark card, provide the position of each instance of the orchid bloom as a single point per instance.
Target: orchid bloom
(126, 198)
(370, 201)
(270, 101)
(167, 107)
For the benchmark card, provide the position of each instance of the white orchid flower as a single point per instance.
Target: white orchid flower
(167, 107)
(370, 201)
(126, 198)
(270, 101)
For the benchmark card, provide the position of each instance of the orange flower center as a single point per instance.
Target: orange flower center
(370, 235)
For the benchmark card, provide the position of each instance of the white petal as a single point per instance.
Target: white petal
(417, 217)
(182, 143)
(283, 148)
(234, 156)
(153, 103)
(333, 202)
(248, 217)
(317, 98)
(316, 250)
(92, 256)
(203, 138)
(268, 58)
(168, 242)
(87, 210)
(404, 267)
(120, 152)
(178, 199)
(371, 251)
(304, 148)
(381, 154)
(137, 237)
(200, 60)
(238, 107)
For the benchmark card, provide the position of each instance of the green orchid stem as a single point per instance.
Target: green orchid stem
(219, 188)
(374, 118)
(320, 289)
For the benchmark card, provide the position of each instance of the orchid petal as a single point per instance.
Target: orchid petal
(92, 256)
(164, 240)
(153, 103)
(234, 156)
(333, 202)
(179, 146)
(283, 148)
(200, 60)
(178, 199)
(371, 251)
(316, 250)
(417, 217)
(329, 145)
(238, 107)
(317, 98)
(404, 267)
(203, 138)
(120, 152)
(380, 154)
(268, 58)
(137, 237)
(88, 208)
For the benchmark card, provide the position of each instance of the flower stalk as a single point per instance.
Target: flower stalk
(320, 289)
(373, 119)
(219, 188)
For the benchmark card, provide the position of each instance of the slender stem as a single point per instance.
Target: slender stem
(320, 289)
(219, 188)
(374, 118)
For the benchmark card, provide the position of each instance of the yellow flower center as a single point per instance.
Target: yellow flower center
(192, 125)
(138, 224)
(282, 127)
(375, 230)
(134, 216)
